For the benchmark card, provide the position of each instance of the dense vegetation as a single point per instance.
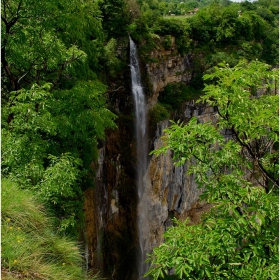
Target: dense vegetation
(238, 238)
(54, 108)
(30, 248)
(218, 32)
(54, 111)
(57, 58)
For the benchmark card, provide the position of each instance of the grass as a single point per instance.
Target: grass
(30, 247)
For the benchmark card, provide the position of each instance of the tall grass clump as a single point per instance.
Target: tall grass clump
(30, 247)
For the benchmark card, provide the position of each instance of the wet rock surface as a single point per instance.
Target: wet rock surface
(111, 207)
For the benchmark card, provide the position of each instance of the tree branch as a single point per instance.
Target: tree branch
(257, 160)
(113, 90)
(62, 69)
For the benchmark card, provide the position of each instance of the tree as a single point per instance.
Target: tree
(50, 141)
(54, 110)
(238, 238)
(115, 17)
(43, 41)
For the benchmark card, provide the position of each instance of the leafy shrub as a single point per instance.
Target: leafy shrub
(175, 95)
(250, 51)
(171, 27)
(239, 237)
(178, 29)
(159, 113)
(223, 57)
(51, 140)
(167, 42)
(112, 62)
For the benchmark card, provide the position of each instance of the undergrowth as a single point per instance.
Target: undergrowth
(30, 247)
(158, 113)
(174, 95)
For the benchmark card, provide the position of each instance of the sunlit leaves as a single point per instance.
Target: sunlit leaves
(238, 238)
(49, 139)
(40, 40)
(50, 129)
(227, 244)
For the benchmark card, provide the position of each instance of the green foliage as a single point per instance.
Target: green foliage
(220, 27)
(47, 41)
(250, 51)
(112, 63)
(247, 29)
(227, 245)
(62, 193)
(171, 27)
(205, 23)
(115, 17)
(30, 246)
(226, 30)
(167, 42)
(158, 113)
(219, 57)
(238, 238)
(149, 16)
(174, 95)
(49, 142)
(179, 8)
(178, 29)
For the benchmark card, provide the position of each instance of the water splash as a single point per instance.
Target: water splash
(142, 149)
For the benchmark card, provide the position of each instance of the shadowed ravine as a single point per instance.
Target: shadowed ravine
(142, 150)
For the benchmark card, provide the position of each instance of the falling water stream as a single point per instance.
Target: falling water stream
(142, 150)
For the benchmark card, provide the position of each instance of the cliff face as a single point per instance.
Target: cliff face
(169, 191)
(168, 67)
(111, 208)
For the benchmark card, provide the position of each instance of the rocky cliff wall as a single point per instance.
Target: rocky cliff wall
(167, 67)
(111, 208)
(169, 191)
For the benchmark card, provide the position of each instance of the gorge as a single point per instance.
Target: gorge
(142, 152)
(134, 129)
(138, 198)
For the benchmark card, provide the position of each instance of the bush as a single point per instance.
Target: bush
(167, 42)
(178, 29)
(159, 113)
(174, 95)
(239, 237)
(112, 62)
(51, 141)
(221, 56)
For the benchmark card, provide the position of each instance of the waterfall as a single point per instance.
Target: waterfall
(142, 150)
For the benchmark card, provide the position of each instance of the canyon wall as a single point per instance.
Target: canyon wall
(169, 191)
(167, 67)
(111, 208)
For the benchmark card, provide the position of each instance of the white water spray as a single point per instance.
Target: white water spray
(142, 148)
